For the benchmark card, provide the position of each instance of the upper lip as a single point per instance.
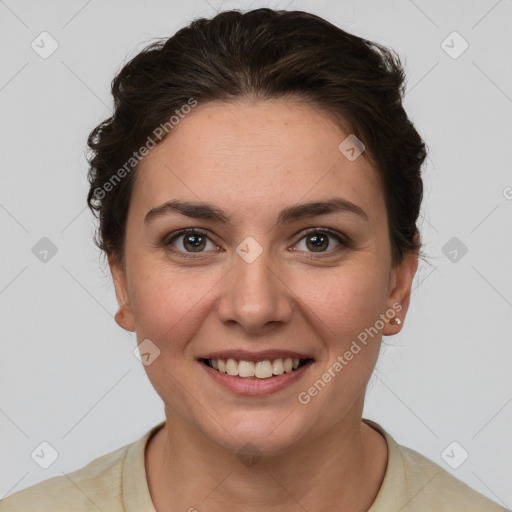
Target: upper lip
(246, 355)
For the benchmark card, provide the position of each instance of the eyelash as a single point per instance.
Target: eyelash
(343, 240)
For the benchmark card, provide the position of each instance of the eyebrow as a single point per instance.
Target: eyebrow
(206, 211)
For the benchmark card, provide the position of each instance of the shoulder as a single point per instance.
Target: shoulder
(439, 489)
(96, 486)
(413, 482)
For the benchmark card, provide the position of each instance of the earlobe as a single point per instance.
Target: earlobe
(125, 321)
(124, 315)
(402, 277)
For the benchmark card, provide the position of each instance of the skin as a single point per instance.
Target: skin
(252, 159)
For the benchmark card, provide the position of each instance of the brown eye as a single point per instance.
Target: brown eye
(194, 242)
(320, 241)
(189, 241)
(317, 243)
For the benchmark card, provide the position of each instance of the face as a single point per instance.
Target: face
(258, 276)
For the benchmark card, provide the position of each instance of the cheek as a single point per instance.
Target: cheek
(168, 308)
(346, 305)
(168, 305)
(344, 301)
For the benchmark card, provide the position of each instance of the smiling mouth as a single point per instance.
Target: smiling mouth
(265, 369)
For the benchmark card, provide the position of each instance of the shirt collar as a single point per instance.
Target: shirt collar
(135, 493)
(394, 490)
(136, 497)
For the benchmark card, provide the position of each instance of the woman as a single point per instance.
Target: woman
(257, 189)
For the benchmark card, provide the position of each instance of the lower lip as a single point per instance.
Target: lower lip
(254, 386)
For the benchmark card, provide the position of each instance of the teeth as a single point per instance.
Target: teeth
(246, 369)
(231, 367)
(263, 369)
(260, 369)
(277, 367)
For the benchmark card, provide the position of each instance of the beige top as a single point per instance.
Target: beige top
(116, 482)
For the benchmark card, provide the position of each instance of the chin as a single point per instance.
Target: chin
(254, 434)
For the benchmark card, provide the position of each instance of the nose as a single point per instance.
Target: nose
(254, 296)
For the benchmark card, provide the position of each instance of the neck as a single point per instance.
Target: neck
(186, 471)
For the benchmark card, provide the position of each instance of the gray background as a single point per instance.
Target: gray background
(68, 375)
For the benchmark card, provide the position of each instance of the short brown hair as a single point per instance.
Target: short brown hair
(260, 54)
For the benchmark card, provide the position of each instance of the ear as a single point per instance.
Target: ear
(401, 278)
(124, 316)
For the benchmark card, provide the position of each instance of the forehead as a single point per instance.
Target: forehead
(249, 156)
